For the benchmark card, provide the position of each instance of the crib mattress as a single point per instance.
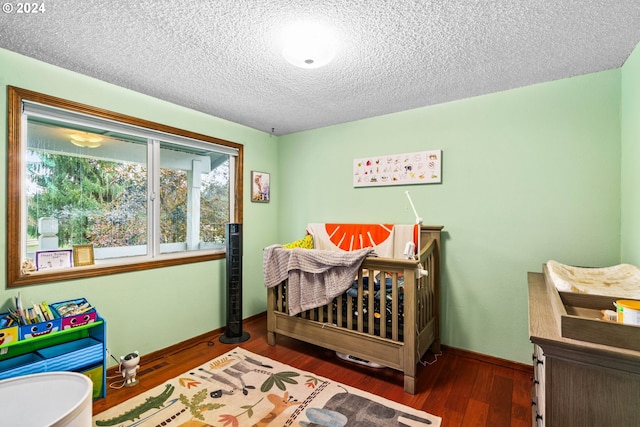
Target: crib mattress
(622, 280)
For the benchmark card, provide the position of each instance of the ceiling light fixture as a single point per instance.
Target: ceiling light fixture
(85, 140)
(308, 45)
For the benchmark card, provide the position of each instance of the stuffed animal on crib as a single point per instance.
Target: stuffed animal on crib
(129, 365)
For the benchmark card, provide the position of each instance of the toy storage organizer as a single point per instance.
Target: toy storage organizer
(80, 348)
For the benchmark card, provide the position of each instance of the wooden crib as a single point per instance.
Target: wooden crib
(396, 333)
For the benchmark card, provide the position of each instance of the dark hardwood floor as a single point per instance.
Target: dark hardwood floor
(463, 388)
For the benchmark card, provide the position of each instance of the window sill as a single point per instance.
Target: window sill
(107, 269)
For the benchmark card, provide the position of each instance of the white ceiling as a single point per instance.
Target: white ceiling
(224, 57)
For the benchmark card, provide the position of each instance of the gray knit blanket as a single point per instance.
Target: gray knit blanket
(315, 276)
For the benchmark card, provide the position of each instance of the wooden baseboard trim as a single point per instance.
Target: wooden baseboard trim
(488, 359)
(175, 348)
(215, 334)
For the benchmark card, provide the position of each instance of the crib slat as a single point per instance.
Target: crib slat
(382, 305)
(370, 301)
(428, 289)
(394, 308)
(382, 312)
(433, 287)
(420, 302)
(349, 312)
(339, 316)
(359, 302)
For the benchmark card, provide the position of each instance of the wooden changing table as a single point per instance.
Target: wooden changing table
(577, 383)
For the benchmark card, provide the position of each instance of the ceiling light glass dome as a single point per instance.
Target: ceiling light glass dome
(308, 45)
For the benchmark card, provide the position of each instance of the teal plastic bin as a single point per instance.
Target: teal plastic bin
(21, 365)
(72, 355)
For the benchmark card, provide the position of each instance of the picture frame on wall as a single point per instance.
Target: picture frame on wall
(260, 187)
(423, 167)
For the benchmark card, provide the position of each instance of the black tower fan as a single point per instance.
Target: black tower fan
(234, 334)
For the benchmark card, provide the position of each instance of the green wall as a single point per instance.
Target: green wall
(630, 225)
(151, 309)
(529, 175)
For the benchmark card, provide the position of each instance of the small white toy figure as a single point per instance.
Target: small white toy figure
(129, 365)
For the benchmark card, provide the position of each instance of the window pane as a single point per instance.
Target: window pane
(194, 198)
(88, 185)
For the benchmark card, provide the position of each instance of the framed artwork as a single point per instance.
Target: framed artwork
(83, 255)
(424, 167)
(53, 260)
(260, 187)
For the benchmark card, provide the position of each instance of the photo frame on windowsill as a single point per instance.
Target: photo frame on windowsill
(83, 255)
(260, 187)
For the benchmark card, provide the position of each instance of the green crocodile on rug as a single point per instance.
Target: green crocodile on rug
(244, 389)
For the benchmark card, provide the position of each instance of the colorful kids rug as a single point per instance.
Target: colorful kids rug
(244, 389)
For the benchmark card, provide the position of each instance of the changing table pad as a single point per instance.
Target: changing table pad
(622, 280)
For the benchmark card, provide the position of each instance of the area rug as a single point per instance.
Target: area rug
(244, 389)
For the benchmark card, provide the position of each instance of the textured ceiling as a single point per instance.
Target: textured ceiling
(224, 57)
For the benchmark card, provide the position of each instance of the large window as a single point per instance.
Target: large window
(135, 194)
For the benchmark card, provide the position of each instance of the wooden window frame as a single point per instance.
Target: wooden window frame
(15, 276)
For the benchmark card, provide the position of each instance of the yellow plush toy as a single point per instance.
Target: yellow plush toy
(304, 243)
